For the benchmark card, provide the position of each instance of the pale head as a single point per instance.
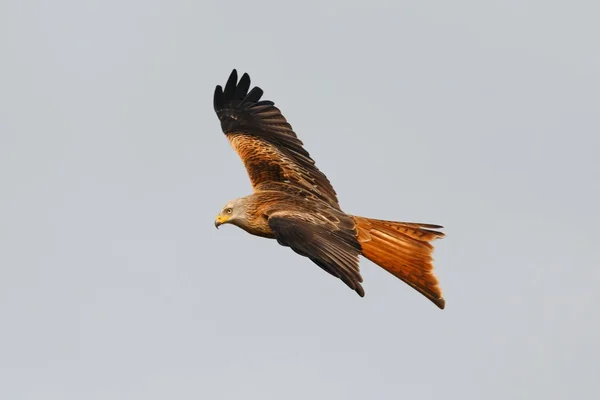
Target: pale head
(234, 213)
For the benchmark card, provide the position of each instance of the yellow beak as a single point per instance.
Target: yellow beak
(220, 220)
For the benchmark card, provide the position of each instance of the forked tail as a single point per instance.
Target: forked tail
(404, 250)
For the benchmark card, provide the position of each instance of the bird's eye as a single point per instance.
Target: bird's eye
(228, 211)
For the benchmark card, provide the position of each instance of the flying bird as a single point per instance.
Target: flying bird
(294, 202)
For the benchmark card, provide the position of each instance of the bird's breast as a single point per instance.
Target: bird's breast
(258, 225)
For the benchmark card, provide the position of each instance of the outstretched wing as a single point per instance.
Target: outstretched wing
(328, 240)
(265, 141)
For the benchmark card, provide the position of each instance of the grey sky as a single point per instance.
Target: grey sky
(480, 116)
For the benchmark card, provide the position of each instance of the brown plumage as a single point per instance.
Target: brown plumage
(294, 203)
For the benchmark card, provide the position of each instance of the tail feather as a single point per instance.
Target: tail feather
(404, 250)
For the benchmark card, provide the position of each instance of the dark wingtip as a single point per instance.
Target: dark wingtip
(242, 88)
(359, 290)
(230, 86)
(237, 95)
(254, 95)
(218, 98)
(441, 303)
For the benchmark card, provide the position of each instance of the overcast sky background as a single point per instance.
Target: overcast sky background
(479, 116)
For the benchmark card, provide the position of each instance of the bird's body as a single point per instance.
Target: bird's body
(265, 203)
(294, 203)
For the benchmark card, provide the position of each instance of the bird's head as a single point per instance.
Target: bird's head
(234, 212)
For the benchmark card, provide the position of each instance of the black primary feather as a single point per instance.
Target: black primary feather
(242, 112)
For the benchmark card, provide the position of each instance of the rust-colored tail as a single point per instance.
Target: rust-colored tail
(403, 249)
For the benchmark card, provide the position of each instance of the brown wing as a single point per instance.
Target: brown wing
(265, 141)
(328, 240)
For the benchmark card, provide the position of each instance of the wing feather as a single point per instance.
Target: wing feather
(265, 141)
(332, 247)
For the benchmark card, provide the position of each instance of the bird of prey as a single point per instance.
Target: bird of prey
(294, 202)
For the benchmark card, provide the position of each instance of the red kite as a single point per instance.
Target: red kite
(294, 202)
